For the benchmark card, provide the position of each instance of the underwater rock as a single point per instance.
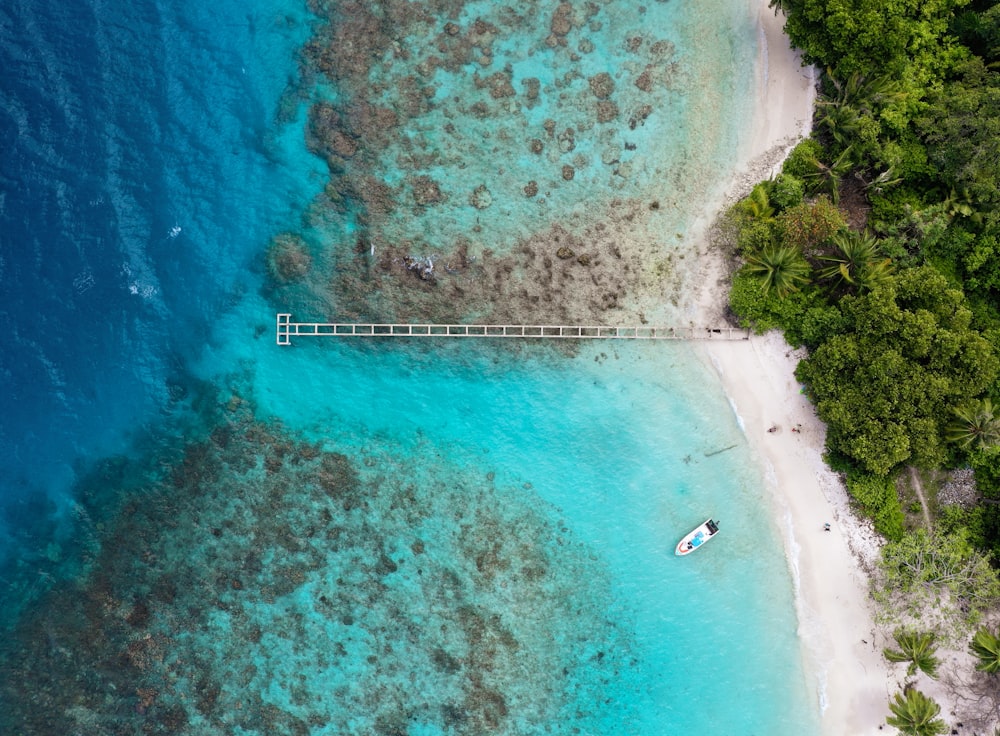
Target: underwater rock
(376, 195)
(611, 155)
(567, 140)
(662, 49)
(427, 67)
(323, 119)
(645, 80)
(565, 253)
(568, 172)
(531, 188)
(483, 31)
(583, 259)
(606, 111)
(422, 267)
(640, 117)
(371, 122)
(602, 85)
(288, 258)
(481, 198)
(633, 43)
(452, 29)
(274, 585)
(531, 87)
(425, 190)
(562, 20)
(498, 83)
(342, 144)
(536, 146)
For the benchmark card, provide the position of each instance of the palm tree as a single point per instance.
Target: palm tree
(915, 648)
(780, 267)
(887, 178)
(853, 98)
(986, 646)
(758, 203)
(861, 92)
(858, 262)
(828, 177)
(975, 425)
(840, 119)
(961, 203)
(914, 714)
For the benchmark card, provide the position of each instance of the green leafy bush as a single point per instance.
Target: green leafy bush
(800, 162)
(878, 499)
(922, 566)
(763, 311)
(787, 191)
(808, 224)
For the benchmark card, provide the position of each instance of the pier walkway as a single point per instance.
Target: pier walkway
(286, 330)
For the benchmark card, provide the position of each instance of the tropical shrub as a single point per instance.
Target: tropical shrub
(787, 191)
(885, 387)
(807, 225)
(880, 502)
(916, 648)
(800, 160)
(985, 646)
(929, 568)
(914, 714)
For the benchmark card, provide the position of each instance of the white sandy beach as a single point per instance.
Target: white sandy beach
(842, 649)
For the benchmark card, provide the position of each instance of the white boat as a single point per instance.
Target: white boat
(697, 537)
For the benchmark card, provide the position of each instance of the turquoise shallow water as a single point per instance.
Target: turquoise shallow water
(623, 446)
(627, 446)
(422, 538)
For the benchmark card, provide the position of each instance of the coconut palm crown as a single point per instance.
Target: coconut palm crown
(986, 646)
(781, 268)
(917, 648)
(914, 714)
(857, 261)
(975, 425)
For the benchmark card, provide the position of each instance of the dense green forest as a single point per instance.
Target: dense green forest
(878, 248)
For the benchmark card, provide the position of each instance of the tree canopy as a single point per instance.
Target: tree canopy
(860, 35)
(886, 386)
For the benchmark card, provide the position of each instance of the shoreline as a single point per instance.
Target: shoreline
(842, 645)
(782, 116)
(840, 640)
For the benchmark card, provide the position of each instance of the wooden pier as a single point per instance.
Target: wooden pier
(286, 330)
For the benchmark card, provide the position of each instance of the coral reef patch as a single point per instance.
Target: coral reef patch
(269, 585)
(434, 107)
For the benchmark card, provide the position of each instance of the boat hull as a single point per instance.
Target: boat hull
(696, 538)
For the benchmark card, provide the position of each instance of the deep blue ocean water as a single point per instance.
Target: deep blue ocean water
(143, 167)
(150, 150)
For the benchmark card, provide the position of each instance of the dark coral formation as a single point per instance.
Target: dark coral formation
(288, 258)
(533, 285)
(425, 147)
(272, 586)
